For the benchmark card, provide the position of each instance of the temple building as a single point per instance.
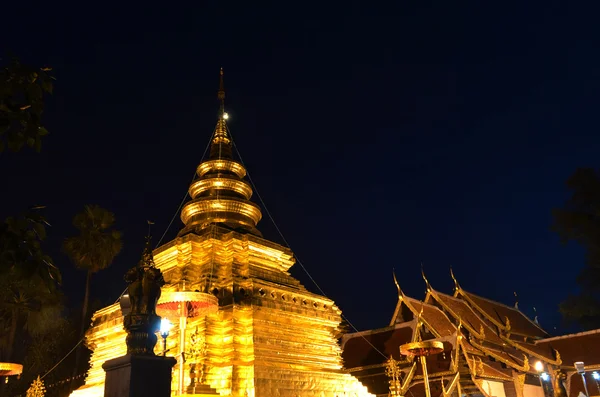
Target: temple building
(242, 325)
(489, 350)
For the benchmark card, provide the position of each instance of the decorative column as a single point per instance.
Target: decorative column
(519, 381)
(140, 372)
(392, 370)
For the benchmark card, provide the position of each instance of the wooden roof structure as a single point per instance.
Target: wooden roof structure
(484, 342)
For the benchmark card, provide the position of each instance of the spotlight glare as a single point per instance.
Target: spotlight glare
(539, 366)
(165, 327)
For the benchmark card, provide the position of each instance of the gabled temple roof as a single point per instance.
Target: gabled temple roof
(542, 352)
(435, 319)
(583, 346)
(463, 313)
(498, 313)
(488, 369)
(507, 355)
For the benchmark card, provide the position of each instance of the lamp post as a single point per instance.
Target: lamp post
(596, 377)
(580, 367)
(165, 327)
(539, 367)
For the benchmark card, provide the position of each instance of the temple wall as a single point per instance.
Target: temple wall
(494, 389)
(532, 391)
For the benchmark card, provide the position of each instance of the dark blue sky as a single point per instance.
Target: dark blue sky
(379, 134)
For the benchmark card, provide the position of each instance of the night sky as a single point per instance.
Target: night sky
(380, 135)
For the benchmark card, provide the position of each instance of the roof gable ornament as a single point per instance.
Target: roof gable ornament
(480, 367)
(516, 300)
(427, 285)
(557, 355)
(456, 285)
(400, 293)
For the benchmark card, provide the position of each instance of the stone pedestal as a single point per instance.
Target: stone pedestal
(138, 376)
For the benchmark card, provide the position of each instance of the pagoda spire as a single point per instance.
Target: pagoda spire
(220, 195)
(221, 147)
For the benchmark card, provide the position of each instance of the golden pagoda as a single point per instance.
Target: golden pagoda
(242, 325)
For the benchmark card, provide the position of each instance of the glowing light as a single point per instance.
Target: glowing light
(539, 366)
(165, 327)
(225, 116)
(596, 375)
(545, 377)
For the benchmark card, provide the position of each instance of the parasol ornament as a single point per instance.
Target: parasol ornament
(422, 350)
(197, 304)
(183, 305)
(10, 369)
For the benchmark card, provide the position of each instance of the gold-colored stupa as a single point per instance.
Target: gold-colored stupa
(269, 336)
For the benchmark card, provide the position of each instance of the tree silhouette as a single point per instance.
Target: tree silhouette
(579, 220)
(93, 249)
(22, 91)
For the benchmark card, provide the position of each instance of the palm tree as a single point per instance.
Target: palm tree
(94, 248)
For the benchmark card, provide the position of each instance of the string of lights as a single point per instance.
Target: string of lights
(186, 192)
(63, 381)
(288, 244)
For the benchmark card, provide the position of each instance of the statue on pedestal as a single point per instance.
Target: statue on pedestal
(141, 323)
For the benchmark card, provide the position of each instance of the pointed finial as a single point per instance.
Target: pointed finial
(516, 301)
(221, 141)
(425, 278)
(221, 93)
(400, 293)
(150, 223)
(456, 286)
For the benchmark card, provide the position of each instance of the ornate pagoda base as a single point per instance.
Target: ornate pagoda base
(138, 375)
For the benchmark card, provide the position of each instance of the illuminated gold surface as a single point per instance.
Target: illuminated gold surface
(9, 369)
(424, 348)
(220, 209)
(270, 336)
(221, 165)
(224, 183)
